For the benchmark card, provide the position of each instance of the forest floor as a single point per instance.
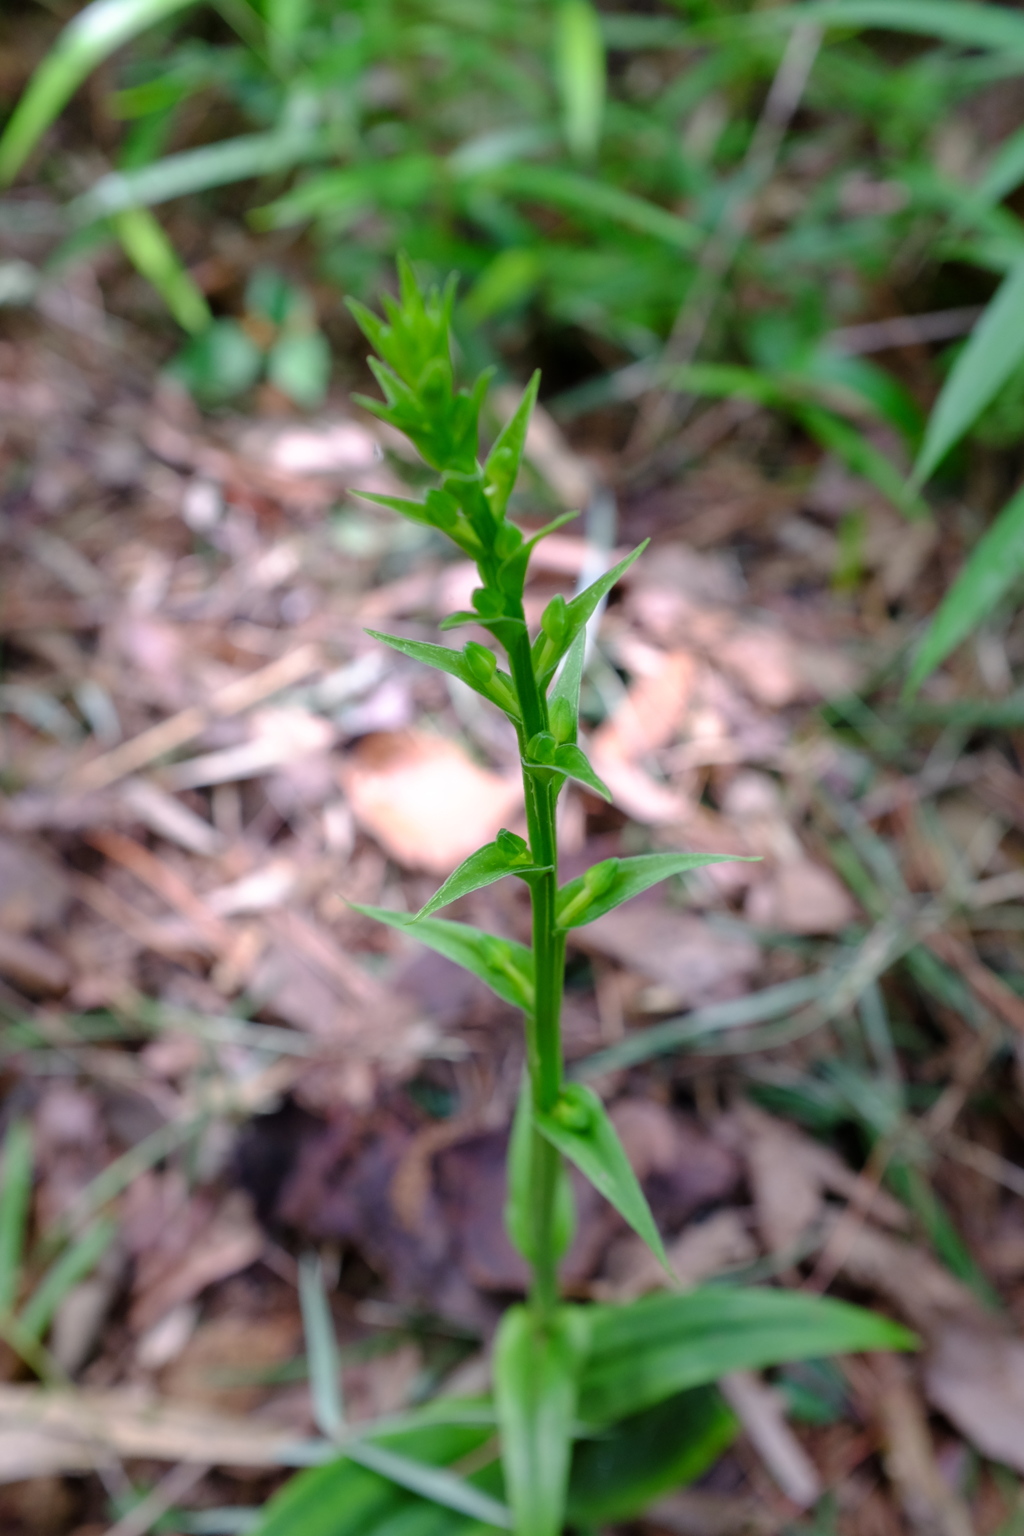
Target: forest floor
(815, 1061)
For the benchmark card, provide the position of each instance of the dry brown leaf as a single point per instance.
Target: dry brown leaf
(704, 1250)
(787, 1193)
(31, 966)
(216, 1366)
(760, 1410)
(975, 1376)
(652, 711)
(694, 962)
(184, 1245)
(34, 892)
(930, 1504)
(424, 799)
(801, 897)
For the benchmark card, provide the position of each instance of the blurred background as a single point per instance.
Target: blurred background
(770, 261)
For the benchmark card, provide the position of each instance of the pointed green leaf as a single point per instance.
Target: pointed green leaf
(92, 36)
(15, 1195)
(581, 1130)
(860, 455)
(151, 252)
(573, 762)
(520, 1203)
(536, 1368)
(643, 1353)
(956, 21)
(502, 467)
(546, 654)
(995, 349)
(506, 967)
(996, 561)
(512, 574)
(492, 862)
(608, 884)
(498, 689)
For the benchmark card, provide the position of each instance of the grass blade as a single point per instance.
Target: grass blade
(321, 1348)
(954, 21)
(993, 565)
(78, 1261)
(433, 1483)
(581, 72)
(15, 1193)
(151, 253)
(995, 348)
(91, 37)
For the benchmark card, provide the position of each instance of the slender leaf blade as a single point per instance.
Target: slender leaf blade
(995, 349)
(594, 893)
(15, 1194)
(546, 654)
(322, 1355)
(434, 1483)
(150, 251)
(663, 1344)
(569, 682)
(536, 1368)
(502, 467)
(505, 965)
(580, 1129)
(954, 21)
(74, 1264)
(996, 561)
(490, 863)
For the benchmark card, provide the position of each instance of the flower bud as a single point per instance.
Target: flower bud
(481, 662)
(554, 621)
(513, 845)
(488, 603)
(573, 1113)
(541, 748)
(563, 720)
(600, 878)
(507, 540)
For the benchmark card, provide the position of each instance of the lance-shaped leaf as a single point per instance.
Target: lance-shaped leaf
(579, 1127)
(613, 881)
(506, 967)
(521, 1205)
(548, 651)
(546, 759)
(536, 1370)
(491, 682)
(507, 855)
(512, 573)
(564, 700)
(643, 1353)
(502, 467)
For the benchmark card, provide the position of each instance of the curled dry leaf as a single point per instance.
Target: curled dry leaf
(424, 799)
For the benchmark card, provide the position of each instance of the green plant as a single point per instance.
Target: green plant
(640, 1378)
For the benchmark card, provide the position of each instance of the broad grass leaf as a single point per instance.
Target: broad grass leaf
(506, 967)
(954, 21)
(15, 1192)
(615, 1477)
(92, 36)
(628, 877)
(243, 158)
(536, 1369)
(660, 1345)
(581, 72)
(490, 863)
(993, 352)
(580, 1129)
(996, 561)
(595, 199)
